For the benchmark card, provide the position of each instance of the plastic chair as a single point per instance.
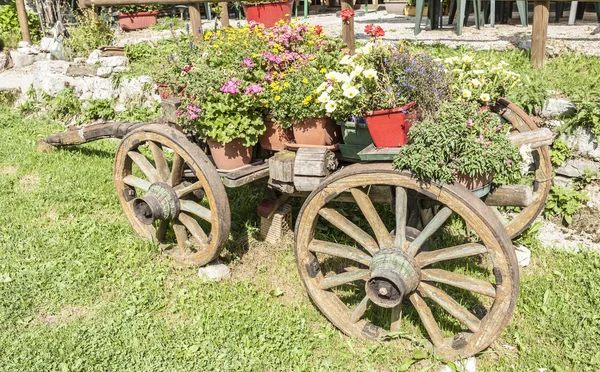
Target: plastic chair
(305, 8)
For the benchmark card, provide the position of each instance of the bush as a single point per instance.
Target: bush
(564, 202)
(90, 33)
(9, 26)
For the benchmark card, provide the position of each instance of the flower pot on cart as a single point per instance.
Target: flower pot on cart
(137, 21)
(479, 185)
(231, 155)
(268, 13)
(356, 137)
(317, 131)
(275, 136)
(389, 128)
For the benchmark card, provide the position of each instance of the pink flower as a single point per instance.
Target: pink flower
(508, 162)
(499, 128)
(480, 139)
(470, 123)
(231, 86)
(253, 89)
(247, 62)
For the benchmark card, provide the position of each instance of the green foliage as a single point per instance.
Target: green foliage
(138, 112)
(90, 33)
(166, 23)
(9, 26)
(530, 238)
(461, 139)
(564, 202)
(587, 116)
(137, 8)
(560, 151)
(96, 109)
(587, 177)
(64, 106)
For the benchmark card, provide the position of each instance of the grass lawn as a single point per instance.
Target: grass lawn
(80, 291)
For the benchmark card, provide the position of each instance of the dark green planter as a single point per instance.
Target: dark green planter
(355, 133)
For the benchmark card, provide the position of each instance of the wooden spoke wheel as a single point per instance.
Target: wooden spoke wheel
(384, 276)
(521, 122)
(171, 193)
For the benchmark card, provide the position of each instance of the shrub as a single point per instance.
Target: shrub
(559, 152)
(90, 33)
(564, 202)
(9, 26)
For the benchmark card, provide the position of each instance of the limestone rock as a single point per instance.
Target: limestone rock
(115, 61)
(21, 59)
(94, 57)
(584, 142)
(46, 43)
(523, 255)
(565, 182)
(104, 72)
(576, 167)
(593, 192)
(554, 107)
(3, 61)
(81, 70)
(23, 44)
(215, 271)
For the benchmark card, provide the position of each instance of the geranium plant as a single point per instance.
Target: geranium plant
(460, 140)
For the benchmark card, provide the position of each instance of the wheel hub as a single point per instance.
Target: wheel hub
(159, 203)
(393, 275)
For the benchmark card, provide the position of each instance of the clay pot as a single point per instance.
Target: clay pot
(474, 183)
(317, 131)
(275, 137)
(389, 128)
(231, 155)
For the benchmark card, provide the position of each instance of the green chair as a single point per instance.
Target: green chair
(305, 8)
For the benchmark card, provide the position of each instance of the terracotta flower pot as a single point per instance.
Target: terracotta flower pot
(268, 13)
(389, 128)
(474, 183)
(137, 21)
(231, 155)
(317, 131)
(275, 137)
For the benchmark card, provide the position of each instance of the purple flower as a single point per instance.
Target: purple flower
(253, 89)
(231, 86)
(499, 128)
(172, 57)
(171, 24)
(247, 62)
(480, 139)
(470, 123)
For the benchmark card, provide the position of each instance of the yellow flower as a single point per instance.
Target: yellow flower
(305, 81)
(307, 100)
(277, 98)
(323, 70)
(286, 84)
(310, 42)
(266, 105)
(282, 74)
(215, 45)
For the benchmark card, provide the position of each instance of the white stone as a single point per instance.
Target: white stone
(593, 192)
(23, 44)
(46, 43)
(94, 57)
(553, 123)
(78, 60)
(555, 107)
(104, 71)
(577, 167)
(26, 50)
(469, 365)
(119, 107)
(552, 235)
(114, 61)
(21, 59)
(562, 181)
(524, 44)
(3, 61)
(119, 69)
(132, 89)
(584, 142)
(215, 271)
(523, 255)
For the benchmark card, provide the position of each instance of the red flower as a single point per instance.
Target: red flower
(318, 30)
(347, 14)
(374, 31)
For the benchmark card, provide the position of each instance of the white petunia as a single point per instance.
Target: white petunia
(484, 97)
(478, 72)
(330, 106)
(466, 93)
(475, 83)
(525, 151)
(329, 89)
(346, 60)
(351, 92)
(324, 97)
(449, 61)
(331, 75)
(467, 58)
(322, 87)
(370, 73)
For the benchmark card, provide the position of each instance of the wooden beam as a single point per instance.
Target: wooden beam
(97, 3)
(22, 15)
(196, 21)
(224, 14)
(348, 27)
(535, 138)
(540, 32)
(510, 195)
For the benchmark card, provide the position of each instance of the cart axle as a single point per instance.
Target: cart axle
(159, 203)
(393, 275)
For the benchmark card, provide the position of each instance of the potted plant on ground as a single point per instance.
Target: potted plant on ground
(410, 9)
(137, 17)
(267, 12)
(461, 143)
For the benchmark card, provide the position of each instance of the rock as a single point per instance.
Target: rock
(576, 167)
(215, 271)
(81, 70)
(562, 181)
(552, 235)
(594, 194)
(46, 43)
(94, 57)
(524, 44)
(79, 60)
(523, 255)
(119, 69)
(21, 59)
(23, 44)
(555, 107)
(119, 107)
(115, 61)
(104, 72)
(552, 124)
(469, 365)
(3, 61)
(26, 50)
(135, 89)
(584, 142)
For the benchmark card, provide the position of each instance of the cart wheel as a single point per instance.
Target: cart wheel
(171, 193)
(369, 284)
(521, 122)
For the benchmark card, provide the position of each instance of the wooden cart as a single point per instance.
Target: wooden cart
(369, 275)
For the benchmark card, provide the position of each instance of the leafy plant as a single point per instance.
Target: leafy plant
(90, 33)
(64, 106)
(560, 151)
(138, 112)
(460, 140)
(564, 202)
(9, 25)
(587, 177)
(587, 116)
(137, 8)
(97, 109)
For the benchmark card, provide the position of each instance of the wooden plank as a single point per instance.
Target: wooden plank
(281, 166)
(339, 250)
(450, 305)
(540, 32)
(510, 195)
(255, 176)
(246, 170)
(314, 162)
(22, 16)
(196, 21)
(459, 281)
(534, 138)
(366, 206)
(304, 183)
(434, 331)
(224, 12)
(348, 27)
(346, 277)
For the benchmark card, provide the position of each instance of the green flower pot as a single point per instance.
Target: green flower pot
(355, 133)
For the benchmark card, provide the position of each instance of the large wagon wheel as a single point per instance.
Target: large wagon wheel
(362, 288)
(521, 122)
(172, 194)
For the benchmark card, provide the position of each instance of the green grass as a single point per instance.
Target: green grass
(80, 291)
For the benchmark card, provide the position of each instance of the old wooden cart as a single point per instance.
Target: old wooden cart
(369, 270)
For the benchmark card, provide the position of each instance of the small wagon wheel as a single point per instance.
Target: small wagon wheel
(361, 281)
(171, 193)
(521, 122)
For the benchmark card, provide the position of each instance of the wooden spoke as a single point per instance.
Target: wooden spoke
(436, 222)
(137, 182)
(144, 165)
(348, 227)
(347, 277)
(450, 305)
(177, 170)
(500, 216)
(160, 161)
(434, 331)
(396, 318)
(183, 191)
(161, 232)
(194, 228)
(359, 311)
(180, 235)
(459, 281)
(366, 206)
(339, 250)
(195, 208)
(459, 251)
(401, 211)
